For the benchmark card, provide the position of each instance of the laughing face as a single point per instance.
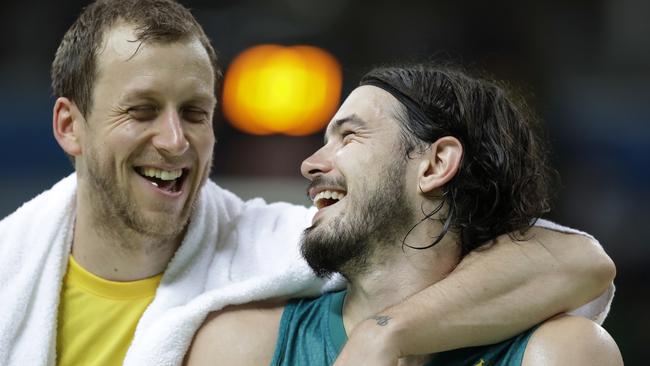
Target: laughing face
(358, 185)
(146, 145)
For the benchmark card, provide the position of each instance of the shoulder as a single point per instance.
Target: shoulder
(571, 340)
(237, 335)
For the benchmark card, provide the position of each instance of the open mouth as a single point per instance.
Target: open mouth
(327, 198)
(166, 180)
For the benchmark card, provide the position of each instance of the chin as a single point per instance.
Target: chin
(162, 224)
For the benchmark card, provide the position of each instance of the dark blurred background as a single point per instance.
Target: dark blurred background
(583, 65)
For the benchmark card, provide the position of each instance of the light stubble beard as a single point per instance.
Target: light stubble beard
(355, 239)
(114, 213)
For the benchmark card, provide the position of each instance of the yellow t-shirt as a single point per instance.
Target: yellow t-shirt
(97, 317)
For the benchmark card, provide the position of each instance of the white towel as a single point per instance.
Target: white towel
(34, 245)
(255, 256)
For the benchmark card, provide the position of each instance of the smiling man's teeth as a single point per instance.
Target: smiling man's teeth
(332, 195)
(161, 174)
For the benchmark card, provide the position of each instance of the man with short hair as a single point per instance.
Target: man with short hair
(417, 171)
(121, 261)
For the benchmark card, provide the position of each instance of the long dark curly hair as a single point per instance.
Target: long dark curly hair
(504, 181)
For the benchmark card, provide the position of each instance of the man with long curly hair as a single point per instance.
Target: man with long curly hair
(422, 166)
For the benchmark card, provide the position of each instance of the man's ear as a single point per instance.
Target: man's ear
(67, 122)
(440, 163)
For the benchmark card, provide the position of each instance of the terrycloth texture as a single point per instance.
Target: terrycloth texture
(34, 245)
(257, 258)
(254, 256)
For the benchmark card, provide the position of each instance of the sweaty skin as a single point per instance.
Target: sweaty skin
(493, 293)
(152, 109)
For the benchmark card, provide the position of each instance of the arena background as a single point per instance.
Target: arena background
(584, 65)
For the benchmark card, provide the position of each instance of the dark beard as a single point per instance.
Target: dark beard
(350, 241)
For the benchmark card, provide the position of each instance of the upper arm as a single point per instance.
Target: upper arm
(569, 340)
(237, 335)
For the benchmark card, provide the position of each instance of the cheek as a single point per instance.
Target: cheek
(133, 129)
(120, 136)
(355, 159)
(203, 142)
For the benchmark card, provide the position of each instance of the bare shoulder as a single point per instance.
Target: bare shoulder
(571, 340)
(237, 335)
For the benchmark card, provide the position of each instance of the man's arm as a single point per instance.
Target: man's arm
(237, 335)
(571, 340)
(493, 294)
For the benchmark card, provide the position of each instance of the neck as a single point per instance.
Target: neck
(121, 253)
(395, 277)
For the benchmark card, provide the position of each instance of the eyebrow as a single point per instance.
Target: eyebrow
(352, 119)
(153, 94)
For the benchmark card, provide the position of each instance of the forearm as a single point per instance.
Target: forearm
(498, 292)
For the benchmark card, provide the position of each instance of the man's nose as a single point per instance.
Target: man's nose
(319, 162)
(170, 136)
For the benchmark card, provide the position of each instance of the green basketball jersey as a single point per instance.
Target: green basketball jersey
(312, 334)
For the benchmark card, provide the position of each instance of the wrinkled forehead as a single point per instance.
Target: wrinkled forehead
(122, 56)
(368, 104)
(122, 42)
(118, 41)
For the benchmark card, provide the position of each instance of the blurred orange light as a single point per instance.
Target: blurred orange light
(275, 89)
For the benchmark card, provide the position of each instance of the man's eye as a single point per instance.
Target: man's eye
(346, 136)
(143, 113)
(194, 115)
